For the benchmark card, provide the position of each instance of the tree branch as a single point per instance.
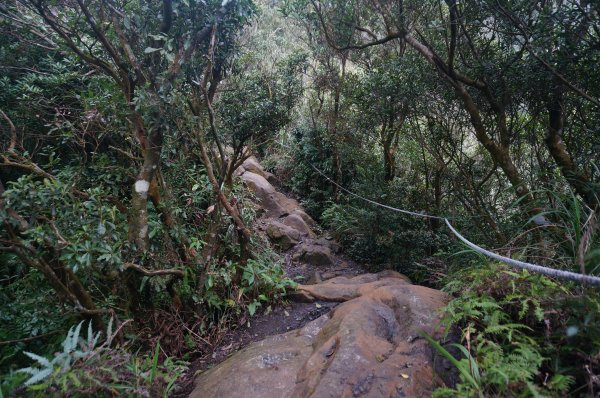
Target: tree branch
(31, 338)
(13, 132)
(147, 272)
(66, 36)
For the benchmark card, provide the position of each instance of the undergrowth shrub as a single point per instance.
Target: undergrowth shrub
(383, 238)
(312, 150)
(26, 314)
(523, 334)
(85, 367)
(370, 234)
(262, 280)
(94, 246)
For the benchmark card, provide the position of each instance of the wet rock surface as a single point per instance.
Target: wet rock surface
(370, 345)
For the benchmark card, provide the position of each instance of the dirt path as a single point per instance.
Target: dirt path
(371, 345)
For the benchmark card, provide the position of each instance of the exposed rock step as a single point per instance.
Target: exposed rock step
(368, 346)
(284, 221)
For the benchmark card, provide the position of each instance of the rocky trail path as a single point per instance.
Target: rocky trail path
(344, 333)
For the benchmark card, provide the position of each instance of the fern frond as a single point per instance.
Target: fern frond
(39, 359)
(41, 375)
(29, 370)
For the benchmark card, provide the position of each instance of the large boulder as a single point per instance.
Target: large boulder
(288, 230)
(283, 235)
(368, 346)
(251, 165)
(329, 242)
(268, 198)
(288, 224)
(290, 206)
(275, 203)
(314, 254)
(343, 288)
(317, 252)
(296, 222)
(302, 214)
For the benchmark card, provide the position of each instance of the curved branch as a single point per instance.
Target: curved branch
(13, 132)
(100, 35)
(522, 30)
(147, 272)
(332, 44)
(207, 97)
(31, 338)
(563, 79)
(453, 31)
(66, 36)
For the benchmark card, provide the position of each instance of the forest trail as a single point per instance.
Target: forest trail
(344, 332)
(459, 144)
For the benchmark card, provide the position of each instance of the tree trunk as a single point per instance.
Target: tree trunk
(437, 194)
(210, 248)
(168, 219)
(558, 150)
(138, 222)
(499, 153)
(333, 126)
(389, 161)
(243, 232)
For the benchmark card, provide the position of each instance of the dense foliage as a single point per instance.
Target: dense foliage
(122, 125)
(117, 119)
(483, 112)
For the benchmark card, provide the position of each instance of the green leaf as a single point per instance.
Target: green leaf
(39, 359)
(154, 363)
(252, 307)
(464, 371)
(149, 50)
(44, 373)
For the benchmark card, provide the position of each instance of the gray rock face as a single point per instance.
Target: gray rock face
(251, 164)
(368, 346)
(314, 254)
(264, 191)
(296, 222)
(283, 235)
(275, 203)
(286, 223)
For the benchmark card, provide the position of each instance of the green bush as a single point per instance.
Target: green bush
(524, 334)
(85, 367)
(262, 280)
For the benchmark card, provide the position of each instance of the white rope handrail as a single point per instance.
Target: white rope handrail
(540, 269)
(411, 213)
